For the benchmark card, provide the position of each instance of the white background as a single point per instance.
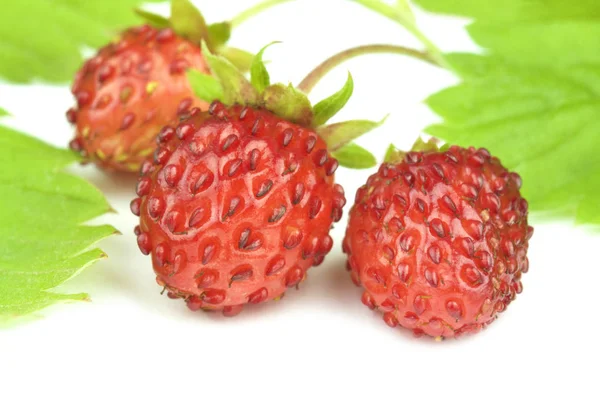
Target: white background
(320, 341)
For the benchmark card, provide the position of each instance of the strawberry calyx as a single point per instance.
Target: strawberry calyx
(394, 155)
(188, 22)
(228, 85)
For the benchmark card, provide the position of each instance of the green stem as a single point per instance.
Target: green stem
(319, 72)
(254, 10)
(404, 16)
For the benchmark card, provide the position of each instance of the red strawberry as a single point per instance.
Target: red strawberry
(238, 201)
(439, 241)
(136, 85)
(128, 92)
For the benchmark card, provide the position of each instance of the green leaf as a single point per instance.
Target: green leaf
(43, 240)
(327, 108)
(355, 157)
(3, 112)
(205, 87)
(12, 303)
(289, 103)
(188, 21)
(236, 88)
(513, 11)
(219, 33)
(259, 76)
(533, 99)
(43, 38)
(157, 21)
(340, 134)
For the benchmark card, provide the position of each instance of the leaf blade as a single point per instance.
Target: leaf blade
(532, 102)
(55, 56)
(44, 243)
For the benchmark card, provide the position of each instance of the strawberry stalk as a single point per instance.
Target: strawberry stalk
(402, 14)
(326, 66)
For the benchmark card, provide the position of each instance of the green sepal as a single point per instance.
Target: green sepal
(242, 59)
(426, 146)
(259, 76)
(355, 156)
(338, 135)
(188, 21)
(236, 88)
(157, 21)
(327, 108)
(219, 33)
(393, 155)
(205, 86)
(3, 112)
(288, 103)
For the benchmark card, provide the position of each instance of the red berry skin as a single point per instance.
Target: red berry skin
(439, 241)
(128, 92)
(235, 210)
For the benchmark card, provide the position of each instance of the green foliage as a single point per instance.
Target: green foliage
(43, 38)
(532, 99)
(43, 240)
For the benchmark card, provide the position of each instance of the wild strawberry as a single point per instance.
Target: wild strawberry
(238, 201)
(128, 92)
(439, 240)
(136, 85)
